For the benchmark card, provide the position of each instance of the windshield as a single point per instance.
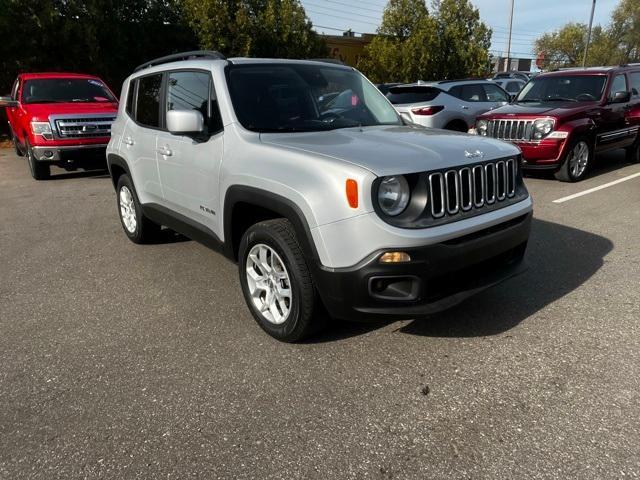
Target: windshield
(573, 88)
(300, 98)
(63, 90)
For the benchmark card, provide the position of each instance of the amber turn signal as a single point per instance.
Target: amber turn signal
(395, 257)
(352, 193)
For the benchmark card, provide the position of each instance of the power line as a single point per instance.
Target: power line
(340, 18)
(314, 5)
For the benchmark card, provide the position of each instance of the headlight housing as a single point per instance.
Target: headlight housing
(42, 128)
(482, 127)
(542, 128)
(393, 195)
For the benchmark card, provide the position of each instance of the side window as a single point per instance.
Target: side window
(495, 93)
(619, 85)
(469, 93)
(148, 100)
(513, 87)
(191, 90)
(635, 83)
(131, 94)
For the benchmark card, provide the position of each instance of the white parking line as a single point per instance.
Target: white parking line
(595, 189)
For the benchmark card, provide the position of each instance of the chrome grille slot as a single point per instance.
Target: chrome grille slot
(436, 194)
(510, 129)
(490, 183)
(511, 177)
(466, 189)
(452, 189)
(501, 180)
(479, 188)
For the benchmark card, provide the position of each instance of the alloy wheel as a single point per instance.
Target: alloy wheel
(579, 159)
(128, 210)
(269, 284)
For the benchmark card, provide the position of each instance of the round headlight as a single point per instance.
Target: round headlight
(481, 127)
(542, 128)
(393, 195)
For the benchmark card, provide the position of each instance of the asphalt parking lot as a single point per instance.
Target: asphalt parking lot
(125, 361)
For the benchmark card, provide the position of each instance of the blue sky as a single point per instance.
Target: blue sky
(531, 17)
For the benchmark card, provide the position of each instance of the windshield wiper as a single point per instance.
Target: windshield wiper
(560, 99)
(528, 100)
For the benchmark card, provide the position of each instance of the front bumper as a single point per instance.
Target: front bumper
(69, 152)
(438, 276)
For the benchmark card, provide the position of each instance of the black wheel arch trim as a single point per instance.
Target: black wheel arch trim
(271, 201)
(114, 159)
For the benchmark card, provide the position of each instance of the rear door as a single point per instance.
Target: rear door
(189, 166)
(614, 130)
(138, 144)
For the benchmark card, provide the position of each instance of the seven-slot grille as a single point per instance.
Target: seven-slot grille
(84, 127)
(463, 189)
(510, 129)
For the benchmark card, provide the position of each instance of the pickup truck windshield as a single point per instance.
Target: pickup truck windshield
(570, 88)
(64, 90)
(303, 98)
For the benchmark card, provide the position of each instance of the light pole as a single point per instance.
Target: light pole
(506, 67)
(586, 48)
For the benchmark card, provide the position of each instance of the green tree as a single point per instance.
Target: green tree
(413, 43)
(624, 30)
(564, 47)
(258, 28)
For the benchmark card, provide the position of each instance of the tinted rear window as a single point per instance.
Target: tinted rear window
(401, 95)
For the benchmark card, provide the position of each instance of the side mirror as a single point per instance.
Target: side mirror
(621, 97)
(8, 102)
(185, 122)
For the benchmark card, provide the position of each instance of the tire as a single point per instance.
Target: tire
(577, 161)
(16, 145)
(270, 260)
(456, 126)
(633, 152)
(136, 226)
(39, 170)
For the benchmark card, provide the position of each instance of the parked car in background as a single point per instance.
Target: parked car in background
(338, 208)
(511, 85)
(59, 119)
(448, 104)
(524, 76)
(384, 87)
(561, 119)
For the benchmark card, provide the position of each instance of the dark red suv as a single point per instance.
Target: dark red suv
(561, 119)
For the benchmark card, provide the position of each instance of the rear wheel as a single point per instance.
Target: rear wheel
(276, 281)
(39, 170)
(136, 226)
(633, 152)
(456, 126)
(577, 161)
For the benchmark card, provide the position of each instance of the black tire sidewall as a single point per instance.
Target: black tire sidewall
(125, 181)
(293, 327)
(565, 170)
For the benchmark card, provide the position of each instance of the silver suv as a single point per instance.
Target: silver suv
(331, 207)
(449, 104)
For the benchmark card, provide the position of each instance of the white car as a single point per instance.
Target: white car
(448, 104)
(511, 85)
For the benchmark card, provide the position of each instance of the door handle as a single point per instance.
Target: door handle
(464, 107)
(128, 140)
(165, 151)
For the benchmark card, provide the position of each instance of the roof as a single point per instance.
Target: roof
(29, 76)
(262, 61)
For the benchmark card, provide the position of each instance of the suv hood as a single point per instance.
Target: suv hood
(392, 150)
(41, 111)
(546, 109)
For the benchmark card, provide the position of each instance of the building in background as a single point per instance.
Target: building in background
(515, 64)
(347, 47)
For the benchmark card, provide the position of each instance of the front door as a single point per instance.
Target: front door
(614, 129)
(189, 165)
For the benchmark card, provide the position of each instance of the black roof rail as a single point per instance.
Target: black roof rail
(468, 79)
(176, 57)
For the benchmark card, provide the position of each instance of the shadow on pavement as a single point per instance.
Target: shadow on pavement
(560, 259)
(603, 163)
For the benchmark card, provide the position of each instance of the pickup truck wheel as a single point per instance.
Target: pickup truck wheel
(136, 226)
(576, 161)
(276, 282)
(39, 170)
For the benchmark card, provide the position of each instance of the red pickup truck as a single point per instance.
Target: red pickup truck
(561, 119)
(59, 119)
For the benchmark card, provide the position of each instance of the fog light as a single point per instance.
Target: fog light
(395, 257)
(48, 153)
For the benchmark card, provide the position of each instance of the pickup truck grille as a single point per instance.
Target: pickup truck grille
(510, 129)
(84, 127)
(473, 187)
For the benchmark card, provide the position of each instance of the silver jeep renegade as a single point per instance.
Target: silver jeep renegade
(303, 173)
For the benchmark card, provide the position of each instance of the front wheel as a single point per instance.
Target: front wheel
(633, 152)
(577, 161)
(276, 282)
(39, 170)
(137, 227)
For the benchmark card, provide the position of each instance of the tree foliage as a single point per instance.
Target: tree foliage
(256, 28)
(414, 43)
(616, 43)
